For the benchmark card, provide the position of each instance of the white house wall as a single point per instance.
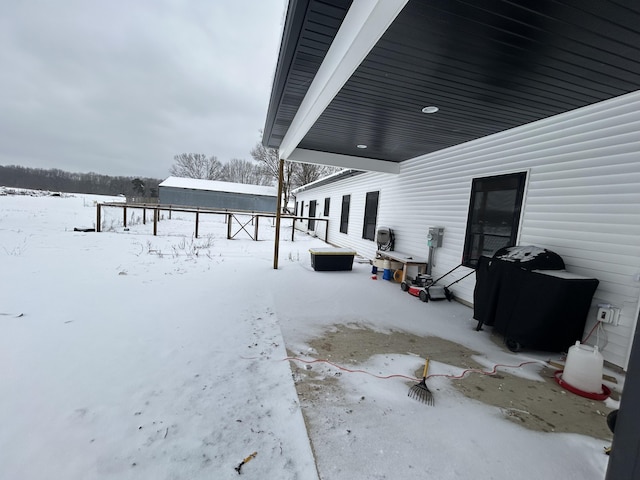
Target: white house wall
(582, 201)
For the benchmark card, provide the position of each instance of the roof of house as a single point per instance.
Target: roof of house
(353, 78)
(334, 177)
(218, 186)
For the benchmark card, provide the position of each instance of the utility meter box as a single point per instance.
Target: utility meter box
(434, 237)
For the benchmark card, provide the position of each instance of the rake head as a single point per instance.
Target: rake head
(421, 392)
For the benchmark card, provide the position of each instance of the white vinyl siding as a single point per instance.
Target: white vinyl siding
(582, 201)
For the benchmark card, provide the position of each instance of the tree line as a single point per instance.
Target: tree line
(262, 170)
(57, 180)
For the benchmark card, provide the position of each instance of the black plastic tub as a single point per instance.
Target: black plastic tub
(331, 259)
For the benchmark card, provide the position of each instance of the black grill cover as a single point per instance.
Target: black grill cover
(537, 310)
(529, 257)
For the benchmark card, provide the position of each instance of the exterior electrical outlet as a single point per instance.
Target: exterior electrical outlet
(608, 315)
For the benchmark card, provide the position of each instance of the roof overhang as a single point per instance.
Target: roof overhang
(353, 76)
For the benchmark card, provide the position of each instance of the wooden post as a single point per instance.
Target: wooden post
(229, 225)
(98, 217)
(124, 216)
(155, 222)
(255, 233)
(144, 216)
(169, 212)
(293, 227)
(197, 220)
(276, 248)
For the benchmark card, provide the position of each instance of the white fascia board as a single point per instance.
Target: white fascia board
(345, 161)
(365, 22)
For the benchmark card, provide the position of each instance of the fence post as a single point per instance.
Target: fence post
(124, 216)
(144, 216)
(197, 220)
(98, 217)
(293, 228)
(229, 225)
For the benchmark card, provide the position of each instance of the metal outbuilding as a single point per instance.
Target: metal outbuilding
(217, 195)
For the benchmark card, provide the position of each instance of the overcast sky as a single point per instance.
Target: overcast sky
(121, 86)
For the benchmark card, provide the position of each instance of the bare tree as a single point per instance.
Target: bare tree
(270, 160)
(245, 171)
(295, 174)
(196, 165)
(307, 173)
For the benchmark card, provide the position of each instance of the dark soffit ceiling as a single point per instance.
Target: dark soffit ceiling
(488, 65)
(310, 27)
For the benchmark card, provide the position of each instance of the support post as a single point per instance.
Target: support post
(623, 462)
(124, 217)
(229, 225)
(144, 216)
(155, 222)
(276, 248)
(98, 217)
(293, 227)
(197, 221)
(255, 233)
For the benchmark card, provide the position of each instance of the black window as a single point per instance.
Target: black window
(326, 207)
(295, 213)
(312, 213)
(494, 214)
(344, 216)
(370, 215)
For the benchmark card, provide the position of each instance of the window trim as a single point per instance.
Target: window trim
(495, 183)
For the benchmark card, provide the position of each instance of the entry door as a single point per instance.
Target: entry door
(312, 213)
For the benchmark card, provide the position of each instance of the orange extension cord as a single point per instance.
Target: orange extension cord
(385, 377)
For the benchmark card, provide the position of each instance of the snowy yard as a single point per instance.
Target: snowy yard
(124, 355)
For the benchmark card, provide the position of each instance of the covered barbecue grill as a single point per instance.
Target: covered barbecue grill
(526, 294)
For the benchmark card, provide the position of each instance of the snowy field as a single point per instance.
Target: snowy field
(129, 356)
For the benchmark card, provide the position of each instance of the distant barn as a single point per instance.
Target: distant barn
(217, 195)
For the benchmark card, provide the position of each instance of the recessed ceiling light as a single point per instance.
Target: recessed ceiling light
(362, 145)
(430, 109)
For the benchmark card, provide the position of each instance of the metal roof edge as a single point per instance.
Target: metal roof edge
(334, 177)
(296, 13)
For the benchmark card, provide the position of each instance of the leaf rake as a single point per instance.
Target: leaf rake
(420, 391)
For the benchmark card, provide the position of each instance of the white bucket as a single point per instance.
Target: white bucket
(583, 369)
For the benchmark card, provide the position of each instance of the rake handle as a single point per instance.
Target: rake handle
(426, 367)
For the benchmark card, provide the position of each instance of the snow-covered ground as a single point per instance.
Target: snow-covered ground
(124, 355)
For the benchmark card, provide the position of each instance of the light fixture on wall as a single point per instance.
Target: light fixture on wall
(361, 145)
(430, 109)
